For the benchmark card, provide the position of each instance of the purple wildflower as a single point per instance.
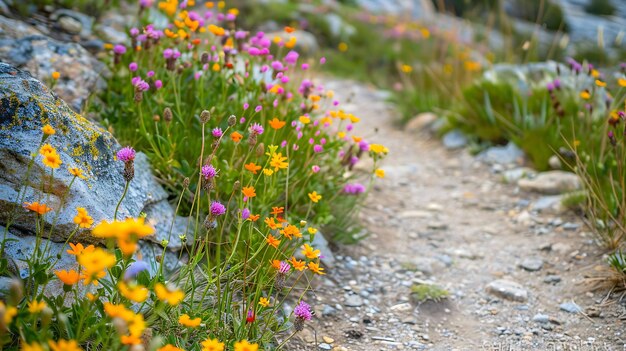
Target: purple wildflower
(258, 108)
(291, 57)
(318, 148)
(119, 49)
(284, 267)
(354, 189)
(133, 66)
(217, 209)
(134, 269)
(245, 214)
(217, 132)
(303, 311)
(126, 154)
(208, 172)
(315, 168)
(256, 129)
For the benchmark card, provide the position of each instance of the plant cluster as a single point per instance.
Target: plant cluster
(256, 155)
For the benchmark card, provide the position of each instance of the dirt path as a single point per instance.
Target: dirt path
(442, 217)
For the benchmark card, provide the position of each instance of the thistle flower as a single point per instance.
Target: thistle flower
(217, 133)
(354, 188)
(217, 209)
(205, 116)
(256, 129)
(302, 312)
(281, 275)
(208, 172)
(127, 155)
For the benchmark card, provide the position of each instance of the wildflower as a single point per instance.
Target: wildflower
(48, 130)
(264, 302)
(70, 277)
(585, 94)
(289, 29)
(236, 136)
(187, 321)
(276, 123)
(315, 268)
(134, 269)
(250, 317)
(56, 75)
(302, 312)
(297, 264)
(212, 345)
(277, 210)
(171, 296)
(248, 191)
(275, 264)
(268, 172)
(254, 218)
(256, 129)
(134, 292)
(311, 230)
(244, 345)
(47, 149)
(96, 262)
(272, 241)
(315, 197)
(169, 347)
(32, 347)
(271, 223)
(621, 82)
(208, 172)
(600, 83)
(343, 47)
(309, 252)
(354, 188)
(278, 161)
(52, 160)
(283, 268)
(126, 233)
(82, 218)
(252, 167)
(217, 132)
(217, 209)
(7, 314)
(64, 345)
(77, 172)
(380, 173)
(37, 207)
(290, 231)
(378, 149)
(79, 249)
(133, 66)
(36, 306)
(127, 155)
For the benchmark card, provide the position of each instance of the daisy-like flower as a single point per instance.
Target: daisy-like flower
(248, 191)
(36, 306)
(264, 301)
(315, 268)
(37, 207)
(77, 172)
(169, 347)
(236, 137)
(315, 197)
(187, 321)
(302, 312)
(244, 345)
(276, 123)
(252, 167)
(309, 252)
(48, 130)
(82, 218)
(134, 292)
(380, 173)
(272, 241)
(278, 161)
(212, 345)
(79, 249)
(52, 160)
(171, 296)
(70, 277)
(297, 264)
(47, 149)
(64, 345)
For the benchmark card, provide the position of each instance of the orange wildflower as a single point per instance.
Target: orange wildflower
(236, 136)
(276, 123)
(271, 223)
(68, 277)
(277, 210)
(252, 167)
(275, 264)
(297, 264)
(79, 249)
(272, 241)
(315, 268)
(248, 191)
(37, 207)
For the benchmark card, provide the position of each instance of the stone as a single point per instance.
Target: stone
(555, 162)
(353, 301)
(27, 103)
(325, 346)
(570, 307)
(551, 279)
(532, 264)
(112, 27)
(328, 311)
(541, 318)
(551, 183)
(508, 290)
(549, 205)
(504, 155)
(25, 47)
(511, 176)
(328, 339)
(454, 139)
(73, 22)
(421, 122)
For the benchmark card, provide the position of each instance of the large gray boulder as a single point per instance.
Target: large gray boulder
(25, 106)
(26, 47)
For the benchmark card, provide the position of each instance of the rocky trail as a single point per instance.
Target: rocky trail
(514, 263)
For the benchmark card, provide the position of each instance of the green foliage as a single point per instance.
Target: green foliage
(600, 7)
(544, 12)
(428, 292)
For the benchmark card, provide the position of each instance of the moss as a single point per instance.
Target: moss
(428, 292)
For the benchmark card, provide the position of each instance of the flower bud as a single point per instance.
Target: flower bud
(204, 58)
(167, 115)
(205, 116)
(186, 182)
(236, 185)
(156, 118)
(232, 120)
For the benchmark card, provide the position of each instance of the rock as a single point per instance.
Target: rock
(552, 279)
(328, 339)
(421, 122)
(555, 162)
(532, 264)
(551, 183)
(325, 346)
(541, 318)
(112, 27)
(27, 103)
(328, 310)
(70, 25)
(504, 155)
(549, 205)
(507, 289)
(454, 140)
(27, 48)
(570, 226)
(515, 174)
(73, 22)
(353, 301)
(570, 307)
